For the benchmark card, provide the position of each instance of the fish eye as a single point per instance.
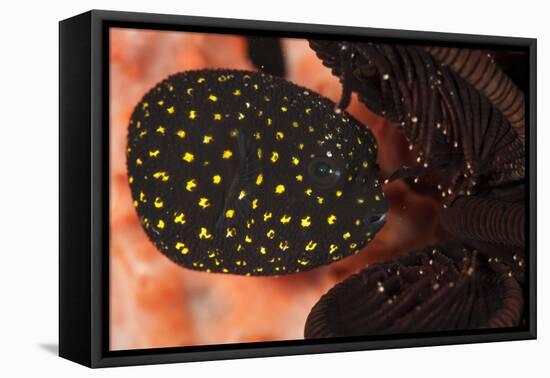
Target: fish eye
(324, 172)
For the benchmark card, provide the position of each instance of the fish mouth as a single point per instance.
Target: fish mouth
(375, 220)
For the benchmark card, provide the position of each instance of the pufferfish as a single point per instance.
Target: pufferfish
(246, 173)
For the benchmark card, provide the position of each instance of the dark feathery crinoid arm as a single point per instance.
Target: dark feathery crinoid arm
(266, 53)
(440, 288)
(486, 219)
(479, 69)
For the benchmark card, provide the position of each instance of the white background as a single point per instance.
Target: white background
(29, 188)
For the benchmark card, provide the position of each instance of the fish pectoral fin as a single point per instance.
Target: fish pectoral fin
(250, 164)
(243, 187)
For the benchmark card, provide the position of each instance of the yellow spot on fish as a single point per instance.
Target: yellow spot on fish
(263, 251)
(303, 262)
(308, 110)
(161, 176)
(230, 232)
(248, 239)
(188, 157)
(204, 203)
(201, 80)
(309, 191)
(360, 200)
(279, 189)
(229, 213)
(161, 130)
(255, 204)
(160, 102)
(274, 156)
(332, 248)
(181, 134)
(339, 193)
(203, 234)
(130, 179)
(269, 122)
(320, 200)
(365, 164)
(267, 216)
(346, 236)
(283, 245)
(311, 245)
(279, 135)
(259, 179)
(158, 203)
(212, 98)
(136, 204)
(301, 146)
(139, 161)
(377, 197)
(242, 194)
(285, 219)
(295, 160)
(192, 114)
(171, 110)
(270, 234)
(227, 154)
(240, 116)
(143, 133)
(222, 78)
(179, 218)
(190, 185)
(154, 153)
(305, 222)
(284, 109)
(142, 197)
(295, 124)
(182, 248)
(299, 178)
(207, 139)
(216, 179)
(259, 153)
(331, 219)
(237, 92)
(357, 222)
(189, 91)
(160, 224)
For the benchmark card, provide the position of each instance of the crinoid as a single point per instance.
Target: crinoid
(465, 118)
(435, 289)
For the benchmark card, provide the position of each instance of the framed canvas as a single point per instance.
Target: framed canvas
(234, 188)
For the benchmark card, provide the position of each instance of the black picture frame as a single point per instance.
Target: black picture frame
(84, 194)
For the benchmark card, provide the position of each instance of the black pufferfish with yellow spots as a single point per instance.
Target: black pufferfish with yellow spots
(246, 173)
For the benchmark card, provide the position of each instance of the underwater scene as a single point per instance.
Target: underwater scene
(268, 189)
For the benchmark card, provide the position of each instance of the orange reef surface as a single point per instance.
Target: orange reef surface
(156, 303)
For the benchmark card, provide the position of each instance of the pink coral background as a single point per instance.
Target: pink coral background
(156, 303)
